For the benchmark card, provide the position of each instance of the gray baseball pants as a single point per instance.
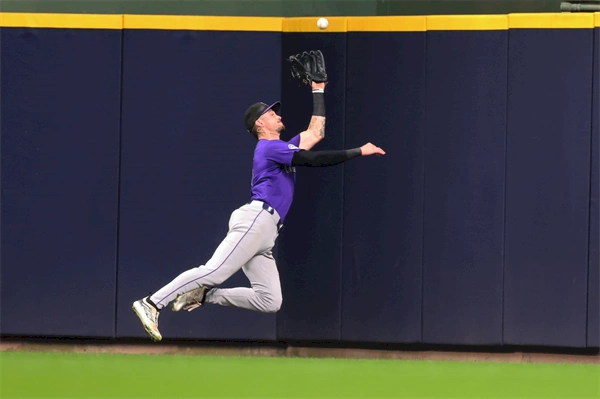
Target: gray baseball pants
(253, 229)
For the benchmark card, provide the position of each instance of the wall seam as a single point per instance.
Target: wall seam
(505, 183)
(119, 169)
(590, 193)
(423, 192)
(343, 186)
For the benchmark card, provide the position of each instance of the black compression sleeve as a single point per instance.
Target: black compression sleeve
(318, 103)
(324, 158)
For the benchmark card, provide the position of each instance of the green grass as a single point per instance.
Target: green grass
(68, 375)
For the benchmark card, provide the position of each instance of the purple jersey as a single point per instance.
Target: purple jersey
(273, 176)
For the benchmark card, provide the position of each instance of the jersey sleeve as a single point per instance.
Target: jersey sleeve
(281, 152)
(295, 140)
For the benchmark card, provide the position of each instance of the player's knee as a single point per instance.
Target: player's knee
(270, 303)
(276, 303)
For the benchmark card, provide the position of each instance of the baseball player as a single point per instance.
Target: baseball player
(254, 227)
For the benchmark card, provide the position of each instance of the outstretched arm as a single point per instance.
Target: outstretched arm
(330, 158)
(316, 128)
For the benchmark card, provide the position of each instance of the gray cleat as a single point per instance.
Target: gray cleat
(148, 316)
(190, 300)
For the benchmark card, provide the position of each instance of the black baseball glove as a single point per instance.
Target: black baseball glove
(308, 67)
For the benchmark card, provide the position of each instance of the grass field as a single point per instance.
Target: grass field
(71, 375)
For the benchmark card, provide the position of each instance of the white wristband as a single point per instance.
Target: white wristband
(318, 90)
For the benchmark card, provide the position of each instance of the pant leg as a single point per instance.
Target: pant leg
(265, 294)
(251, 231)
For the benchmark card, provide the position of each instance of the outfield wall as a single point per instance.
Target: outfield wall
(124, 153)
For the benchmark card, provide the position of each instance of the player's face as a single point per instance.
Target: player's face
(272, 122)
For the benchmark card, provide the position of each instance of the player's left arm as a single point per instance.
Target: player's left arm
(316, 128)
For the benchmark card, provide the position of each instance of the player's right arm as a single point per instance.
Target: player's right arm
(316, 128)
(330, 158)
(289, 155)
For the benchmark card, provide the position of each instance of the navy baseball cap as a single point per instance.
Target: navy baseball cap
(256, 110)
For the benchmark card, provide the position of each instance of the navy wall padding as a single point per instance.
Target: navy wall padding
(60, 159)
(383, 196)
(593, 328)
(123, 155)
(464, 187)
(310, 245)
(547, 187)
(187, 165)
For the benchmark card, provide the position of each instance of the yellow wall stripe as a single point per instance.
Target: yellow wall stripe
(309, 24)
(467, 22)
(551, 20)
(387, 24)
(303, 24)
(193, 22)
(72, 21)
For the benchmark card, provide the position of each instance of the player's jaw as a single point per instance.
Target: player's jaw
(280, 127)
(276, 126)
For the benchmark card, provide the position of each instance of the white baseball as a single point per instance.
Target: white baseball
(322, 23)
